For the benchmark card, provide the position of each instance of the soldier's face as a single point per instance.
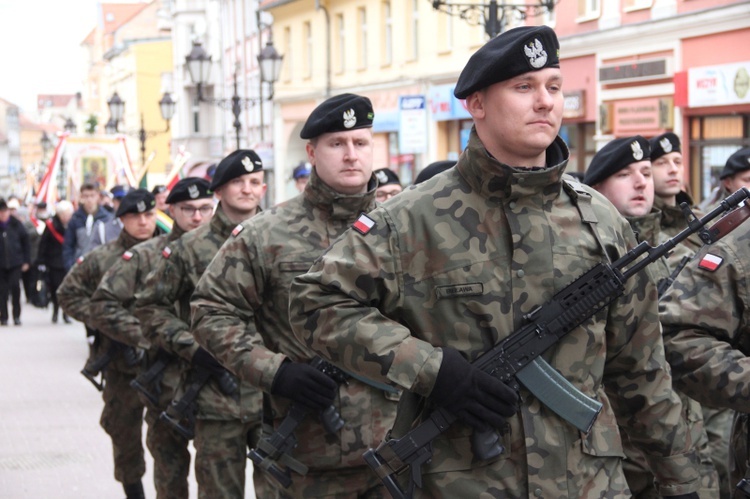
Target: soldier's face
(518, 119)
(139, 225)
(736, 181)
(90, 201)
(189, 215)
(631, 189)
(667, 172)
(243, 194)
(343, 160)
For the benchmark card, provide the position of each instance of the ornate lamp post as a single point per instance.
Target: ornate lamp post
(492, 15)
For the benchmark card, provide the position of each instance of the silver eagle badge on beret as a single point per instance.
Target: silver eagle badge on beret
(381, 176)
(637, 151)
(536, 54)
(193, 191)
(666, 145)
(248, 164)
(350, 119)
(140, 206)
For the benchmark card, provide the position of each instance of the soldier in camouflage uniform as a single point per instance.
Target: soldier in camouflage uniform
(668, 172)
(122, 417)
(225, 423)
(240, 306)
(112, 314)
(707, 313)
(432, 278)
(622, 172)
(735, 174)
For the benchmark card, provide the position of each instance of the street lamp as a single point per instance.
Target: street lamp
(117, 109)
(198, 64)
(46, 144)
(70, 126)
(492, 15)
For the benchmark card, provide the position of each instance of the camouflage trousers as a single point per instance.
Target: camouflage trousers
(641, 479)
(122, 419)
(343, 483)
(168, 448)
(221, 457)
(718, 423)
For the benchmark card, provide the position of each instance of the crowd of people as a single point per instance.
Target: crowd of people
(329, 326)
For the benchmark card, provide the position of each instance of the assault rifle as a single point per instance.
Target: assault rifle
(183, 409)
(276, 448)
(517, 358)
(95, 365)
(152, 376)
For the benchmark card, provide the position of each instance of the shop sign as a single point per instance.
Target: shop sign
(574, 105)
(444, 106)
(719, 85)
(412, 132)
(643, 114)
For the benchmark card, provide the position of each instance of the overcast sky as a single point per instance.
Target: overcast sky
(40, 49)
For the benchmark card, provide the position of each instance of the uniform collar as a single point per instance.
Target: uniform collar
(127, 241)
(175, 233)
(220, 223)
(497, 181)
(339, 206)
(647, 227)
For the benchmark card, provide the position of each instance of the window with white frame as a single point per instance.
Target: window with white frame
(362, 16)
(387, 46)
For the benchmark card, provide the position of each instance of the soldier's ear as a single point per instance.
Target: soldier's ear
(475, 105)
(310, 149)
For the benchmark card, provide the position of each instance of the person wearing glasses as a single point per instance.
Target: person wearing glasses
(388, 184)
(191, 203)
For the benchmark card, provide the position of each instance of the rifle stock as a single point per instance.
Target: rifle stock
(517, 357)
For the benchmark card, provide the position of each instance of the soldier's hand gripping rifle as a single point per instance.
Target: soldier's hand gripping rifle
(516, 359)
(152, 377)
(94, 368)
(183, 409)
(274, 451)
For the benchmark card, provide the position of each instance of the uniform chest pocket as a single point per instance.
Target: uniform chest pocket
(459, 290)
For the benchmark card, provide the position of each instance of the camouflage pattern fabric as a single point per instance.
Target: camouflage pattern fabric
(639, 476)
(672, 223)
(458, 260)
(122, 416)
(112, 310)
(240, 315)
(163, 306)
(707, 313)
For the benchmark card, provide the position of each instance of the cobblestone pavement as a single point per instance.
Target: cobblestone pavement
(51, 444)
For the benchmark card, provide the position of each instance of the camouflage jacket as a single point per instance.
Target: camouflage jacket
(163, 307)
(672, 223)
(459, 260)
(77, 289)
(707, 313)
(240, 315)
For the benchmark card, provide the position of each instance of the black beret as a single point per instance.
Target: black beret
(236, 164)
(737, 162)
(509, 54)
(433, 169)
(386, 176)
(188, 189)
(664, 144)
(136, 201)
(118, 191)
(338, 114)
(3, 205)
(615, 156)
(41, 205)
(158, 189)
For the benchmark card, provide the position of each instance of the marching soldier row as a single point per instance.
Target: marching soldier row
(235, 310)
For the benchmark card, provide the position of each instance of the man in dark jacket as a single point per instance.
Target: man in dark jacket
(15, 257)
(49, 258)
(81, 226)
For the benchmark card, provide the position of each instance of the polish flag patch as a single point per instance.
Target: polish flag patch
(364, 224)
(237, 230)
(127, 256)
(710, 262)
(80, 259)
(166, 252)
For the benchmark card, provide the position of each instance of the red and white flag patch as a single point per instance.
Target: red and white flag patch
(237, 230)
(166, 252)
(80, 259)
(364, 224)
(710, 262)
(127, 255)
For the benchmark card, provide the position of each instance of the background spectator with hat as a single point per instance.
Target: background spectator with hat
(301, 174)
(15, 258)
(735, 174)
(433, 169)
(160, 193)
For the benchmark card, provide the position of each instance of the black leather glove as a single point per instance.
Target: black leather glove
(692, 495)
(202, 358)
(304, 384)
(478, 399)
